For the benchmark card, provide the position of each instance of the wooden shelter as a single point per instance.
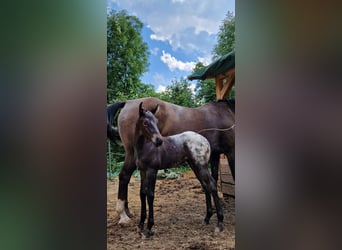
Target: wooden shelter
(223, 71)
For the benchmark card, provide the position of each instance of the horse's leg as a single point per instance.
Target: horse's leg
(218, 207)
(210, 187)
(124, 178)
(231, 161)
(214, 163)
(142, 200)
(209, 206)
(151, 177)
(201, 175)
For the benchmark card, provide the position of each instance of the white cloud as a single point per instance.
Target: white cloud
(161, 88)
(188, 25)
(193, 87)
(205, 60)
(173, 63)
(158, 38)
(154, 51)
(160, 79)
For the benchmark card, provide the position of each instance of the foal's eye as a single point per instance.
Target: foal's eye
(145, 123)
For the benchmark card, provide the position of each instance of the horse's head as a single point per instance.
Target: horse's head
(147, 123)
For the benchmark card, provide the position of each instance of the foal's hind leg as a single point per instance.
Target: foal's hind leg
(209, 206)
(209, 185)
(219, 211)
(201, 176)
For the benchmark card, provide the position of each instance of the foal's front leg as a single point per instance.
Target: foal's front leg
(143, 188)
(151, 176)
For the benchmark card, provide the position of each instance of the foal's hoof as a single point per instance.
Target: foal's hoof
(146, 234)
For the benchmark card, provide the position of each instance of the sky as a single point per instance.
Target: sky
(179, 33)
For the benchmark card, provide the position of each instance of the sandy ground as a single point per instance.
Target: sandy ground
(179, 218)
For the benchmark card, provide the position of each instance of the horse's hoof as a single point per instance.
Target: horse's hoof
(219, 229)
(129, 214)
(146, 234)
(206, 220)
(124, 220)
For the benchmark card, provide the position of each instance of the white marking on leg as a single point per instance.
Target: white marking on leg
(120, 208)
(218, 230)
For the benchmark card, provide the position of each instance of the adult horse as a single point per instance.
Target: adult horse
(214, 120)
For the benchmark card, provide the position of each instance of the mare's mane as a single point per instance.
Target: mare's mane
(229, 102)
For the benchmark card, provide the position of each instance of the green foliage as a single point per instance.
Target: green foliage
(226, 37)
(144, 90)
(115, 159)
(232, 93)
(205, 89)
(127, 55)
(180, 93)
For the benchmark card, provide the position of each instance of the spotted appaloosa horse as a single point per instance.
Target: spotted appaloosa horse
(154, 152)
(214, 120)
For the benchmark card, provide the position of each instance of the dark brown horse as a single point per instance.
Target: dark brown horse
(154, 151)
(214, 120)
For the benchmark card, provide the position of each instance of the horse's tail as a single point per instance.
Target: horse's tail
(112, 132)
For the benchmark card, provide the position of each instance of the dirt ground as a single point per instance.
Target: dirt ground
(179, 218)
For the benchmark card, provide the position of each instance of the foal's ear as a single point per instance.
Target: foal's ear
(153, 111)
(141, 109)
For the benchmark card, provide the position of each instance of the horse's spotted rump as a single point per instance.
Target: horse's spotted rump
(197, 145)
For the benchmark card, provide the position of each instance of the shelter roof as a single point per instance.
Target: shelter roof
(219, 66)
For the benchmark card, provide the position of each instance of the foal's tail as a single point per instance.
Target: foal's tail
(112, 132)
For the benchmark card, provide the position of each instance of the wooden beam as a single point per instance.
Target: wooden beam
(228, 86)
(226, 74)
(218, 88)
(222, 90)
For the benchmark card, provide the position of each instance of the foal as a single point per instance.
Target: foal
(154, 152)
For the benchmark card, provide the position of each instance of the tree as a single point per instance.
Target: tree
(127, 55)
(205, 89)
(144, 90)
(225, 37)
(180, 93)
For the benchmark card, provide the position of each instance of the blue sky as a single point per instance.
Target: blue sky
(179, 33)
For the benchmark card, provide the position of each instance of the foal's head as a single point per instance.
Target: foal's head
(147, 123)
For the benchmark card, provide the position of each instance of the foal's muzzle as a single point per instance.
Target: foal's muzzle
(158, 142)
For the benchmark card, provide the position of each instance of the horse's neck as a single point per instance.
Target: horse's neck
(139, 140)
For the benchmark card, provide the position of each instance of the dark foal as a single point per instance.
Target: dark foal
(154, 152)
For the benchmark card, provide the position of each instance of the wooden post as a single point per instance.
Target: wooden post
(224, 83)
